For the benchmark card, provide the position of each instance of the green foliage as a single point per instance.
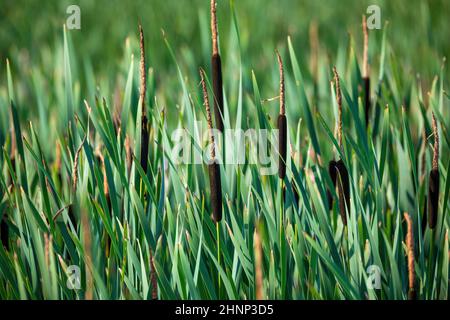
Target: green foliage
(125, 227)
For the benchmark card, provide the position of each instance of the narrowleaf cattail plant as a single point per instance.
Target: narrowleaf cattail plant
(216, 67)
(337, 169)
(365, 76)
(213, 167)
(433, 183)
(282, 125)
(410, 252)
(142, 90)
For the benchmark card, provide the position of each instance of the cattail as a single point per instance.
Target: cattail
(259, 292)
(282, 125)
(142, 90)
(216, 67)
(433, 183)
(213, 167)
(366, 77)
(410, 253)
(342, 178)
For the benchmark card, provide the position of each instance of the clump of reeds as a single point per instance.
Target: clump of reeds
(142, 90)
(282, 124)
(337, 169)
(410, 252)
(433, 183)
(365, 75)
(216, 67)
(213, 166)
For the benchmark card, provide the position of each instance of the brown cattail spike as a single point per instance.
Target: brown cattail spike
(282, 124)
(214, 33)
(410, 253)
(434, 180)
(332, 170)
(366, 48)
(213, 167)
(153, 279)
(339, 103)
(259, 292)
(343, 185)
(4, 231)
(143, 87)
(216, 69)
(366, 77)
(143, 82)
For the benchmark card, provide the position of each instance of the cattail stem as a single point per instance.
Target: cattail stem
(410, 253)
(282, 124)
(216, 67)
(213, 167)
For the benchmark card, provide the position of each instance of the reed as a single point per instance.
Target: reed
(282, 124)
(410, 253)
(433, 182)
(216, 68)
(366, 76)
(213, 166)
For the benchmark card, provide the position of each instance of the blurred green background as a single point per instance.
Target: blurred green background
(419, 30)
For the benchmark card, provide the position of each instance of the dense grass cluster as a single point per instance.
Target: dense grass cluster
(89, 178)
